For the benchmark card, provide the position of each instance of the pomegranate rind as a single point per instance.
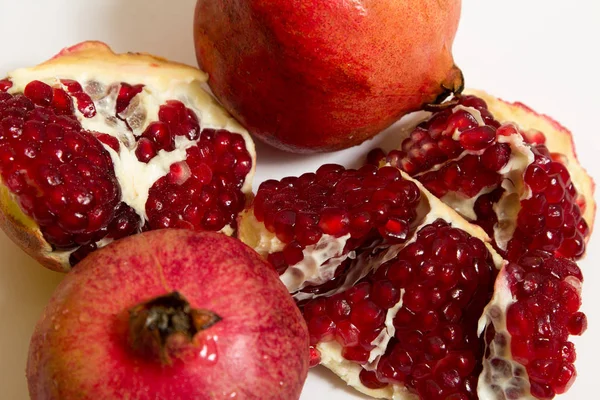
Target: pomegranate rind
(25, 233)
(96, 60)
(558, 140)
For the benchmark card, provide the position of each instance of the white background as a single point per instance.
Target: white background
(542, 52)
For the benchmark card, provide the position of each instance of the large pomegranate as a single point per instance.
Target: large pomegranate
(170, 314)
(323, 76)
(406, 299)
(95, 146)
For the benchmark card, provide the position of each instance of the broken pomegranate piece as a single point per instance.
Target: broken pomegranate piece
(95, 146)
(311, 227)
(524, 187)
(434, 314)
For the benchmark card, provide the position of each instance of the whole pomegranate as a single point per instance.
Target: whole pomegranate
(96, 146)
(170, 314)
(403, 297)
(326, 75)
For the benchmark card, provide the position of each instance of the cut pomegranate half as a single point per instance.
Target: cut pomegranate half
(433, 313)
(95, 146)
(506, 168)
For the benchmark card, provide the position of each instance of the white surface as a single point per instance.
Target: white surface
(542, 52)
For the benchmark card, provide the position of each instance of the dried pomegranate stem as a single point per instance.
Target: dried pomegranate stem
(153, 323)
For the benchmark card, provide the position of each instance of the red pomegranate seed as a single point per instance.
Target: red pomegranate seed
(369, 379)
(478, 138)
(110, 141)
(126, 93)
(160, 134)
(5, 84)
(85, 105)
(145, 150)
(334, 221)
(62, 102)
(39, 93)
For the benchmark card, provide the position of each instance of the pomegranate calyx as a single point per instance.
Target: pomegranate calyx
(454, 84)
(166, 322)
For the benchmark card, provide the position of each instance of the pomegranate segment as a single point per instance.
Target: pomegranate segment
(318, 222)
(413, 321)
(61, 174)
(534, 310)
(499, 176)
(95, 146)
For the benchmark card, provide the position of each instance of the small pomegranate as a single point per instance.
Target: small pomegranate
(96, 146)
(170, 314)
(326, 75)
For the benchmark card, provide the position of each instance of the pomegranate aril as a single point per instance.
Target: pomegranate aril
(477, 138)
(145, 150)
(334, 221)
(160, 134)
(85, 105)
(39, 93)
(126, 94)
(369, 379)
(5, 84)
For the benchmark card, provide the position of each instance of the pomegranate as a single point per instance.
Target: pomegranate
(170, 314)
(521, 183)
(313, 78)
(405, 299)
(96, 146)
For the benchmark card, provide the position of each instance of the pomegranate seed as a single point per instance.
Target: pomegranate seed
(5, 84)
(369, 379)
(334, 221)
(39, 93)
(145, 150)
(477, 138)
(160, 134)
(126, 94)
(85, 105)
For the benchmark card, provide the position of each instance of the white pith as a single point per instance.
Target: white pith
(100, 72)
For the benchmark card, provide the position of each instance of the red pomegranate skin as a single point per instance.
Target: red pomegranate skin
(325, 75)
(259, 350)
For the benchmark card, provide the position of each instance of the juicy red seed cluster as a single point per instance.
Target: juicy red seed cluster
(204, 191)
(335, 201)
(175, 119)
(432, 142)
(85, 105)
(551, 219)
(62, 175)
(181, 120)
(447, 277)
(544, 314)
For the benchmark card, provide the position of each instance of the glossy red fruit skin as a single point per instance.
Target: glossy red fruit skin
(270, 71)
(259, 348)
